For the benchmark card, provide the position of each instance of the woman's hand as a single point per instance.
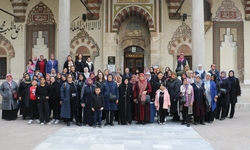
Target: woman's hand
(153, 99)
(20, 98)
(169, 105)
(191, 104)
(216, 96)
(83, 104)
(135, 100)
(204, 94)
(181, 95)
(47, 97)
(116, 102)
(215, 99)
(93, 109)
(60, 102)
(144, 92)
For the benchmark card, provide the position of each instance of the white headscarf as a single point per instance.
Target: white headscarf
(207, 83)
(146, 76)
(200, 71)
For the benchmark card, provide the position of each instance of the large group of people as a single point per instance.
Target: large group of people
(47, 96)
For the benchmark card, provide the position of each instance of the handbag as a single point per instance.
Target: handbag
(112, 97)
(183, 99)
(148, 99)
(15, 95)
(223, 91)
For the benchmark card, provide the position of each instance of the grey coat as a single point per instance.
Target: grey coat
(8, 102)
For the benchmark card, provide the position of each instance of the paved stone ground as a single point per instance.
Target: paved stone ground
(230, 134)
(172, 136)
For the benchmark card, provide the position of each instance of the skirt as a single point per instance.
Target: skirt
(9, 114)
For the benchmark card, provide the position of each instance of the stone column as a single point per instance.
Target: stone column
(63, 42)
(198, 37)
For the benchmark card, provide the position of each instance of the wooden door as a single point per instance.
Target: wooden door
(133, 64)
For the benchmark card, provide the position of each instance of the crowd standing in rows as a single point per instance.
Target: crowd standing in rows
(47, 96)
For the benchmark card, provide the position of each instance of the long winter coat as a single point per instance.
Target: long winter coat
(153, 86)
(225, 98)
(173, 90)
(213, 92)
(199, 107)
(65, 98)
(50, 66)
(54, 91)
(8, 103)
(86, 97)
(111, 105)
(235, 91)
(24, 93)
(45, 64)
(104, 91)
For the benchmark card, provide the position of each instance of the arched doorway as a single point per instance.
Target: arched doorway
(134, 58)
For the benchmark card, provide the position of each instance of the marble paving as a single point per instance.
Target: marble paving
(171, 136)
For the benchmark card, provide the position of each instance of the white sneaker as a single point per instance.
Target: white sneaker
(52, 121)
(163, 123)
(30, 122)
(57, 121)
(42, 123)
(49, 123)
(38, 121)
(160, 123)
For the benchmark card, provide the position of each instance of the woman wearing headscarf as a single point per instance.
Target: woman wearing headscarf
(23, 93)
(100, 82)
(69, 100)
(214, 71)
(199, 101)
(152, 73)
(152, 95)
(86, 72)
(133, 81)
(213, 78)
(187, 109)
(68, 63)
(21, 80)
(52, 64)
(137, 71)
(111, 106)
(119, 80)
(201, 72)
(80, 64)
(9, 105)
(186, 69)
(173, 89)
(224, 99)
(41, 64)
(166, 72)
(141, 89)
(47, 78)
(211, 97)
(125, 100)
(34, 60)
(86, 97)
(234, 92)
(159, 79)
(168, 79)
(146, 70)
(180, 64)
(80, 83)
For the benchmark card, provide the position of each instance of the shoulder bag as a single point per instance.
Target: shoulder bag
(148, 98)
(15, 95)
(112, 97)
(223, 90)
(183, 99)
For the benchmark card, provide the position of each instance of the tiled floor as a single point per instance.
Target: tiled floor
(171, 136)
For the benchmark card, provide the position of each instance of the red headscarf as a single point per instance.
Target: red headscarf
(142, 74)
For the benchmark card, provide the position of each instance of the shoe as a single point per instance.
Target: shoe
(188, 125)
(217, 118)
(160, 123)
(52, 121)
(210, 122)
(230, 117)
(100, 126)
(68, 123)
(94, 126)
(112, 124)
(42, 123)
(128, 123)
(196, 123)
(49, 123)
(106, 124)
(38, 121)
(163, 123)
(87, 125)
(30, 122)
(221, 119)
(138, 122)
(183, 123)
(203, 123)
(79, 124)
(57, 121)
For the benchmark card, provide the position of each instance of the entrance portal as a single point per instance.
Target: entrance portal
(134, 59)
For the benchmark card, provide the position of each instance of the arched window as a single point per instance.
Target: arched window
(207, 11)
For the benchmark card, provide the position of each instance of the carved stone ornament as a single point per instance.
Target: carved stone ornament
(40, 15)
(208, 25)
(84, 35)
(228, 12)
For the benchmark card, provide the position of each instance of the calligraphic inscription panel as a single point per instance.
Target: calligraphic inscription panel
(228, 15)
(132, 1)
(40, 18)
(133, 33)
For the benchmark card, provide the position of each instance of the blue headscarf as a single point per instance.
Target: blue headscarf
(110, 83)
(231, 78)
(223, 78)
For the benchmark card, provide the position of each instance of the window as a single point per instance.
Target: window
(3, 67)
(207, 11)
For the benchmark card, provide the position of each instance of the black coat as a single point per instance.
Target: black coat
(54, 91)
(124, 106)
(81, 64)
(235, 90)
(167, 82)
(174, 89)
(97, 102)
(45, 64)
(225, 98)
(66, 64)
(153, 86)
(24, 93)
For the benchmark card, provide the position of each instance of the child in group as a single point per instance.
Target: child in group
(162, 103)
(53, 73)
(97, 107)
(33, 103)
(42, 94)
(39, 75)
(30, 68)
